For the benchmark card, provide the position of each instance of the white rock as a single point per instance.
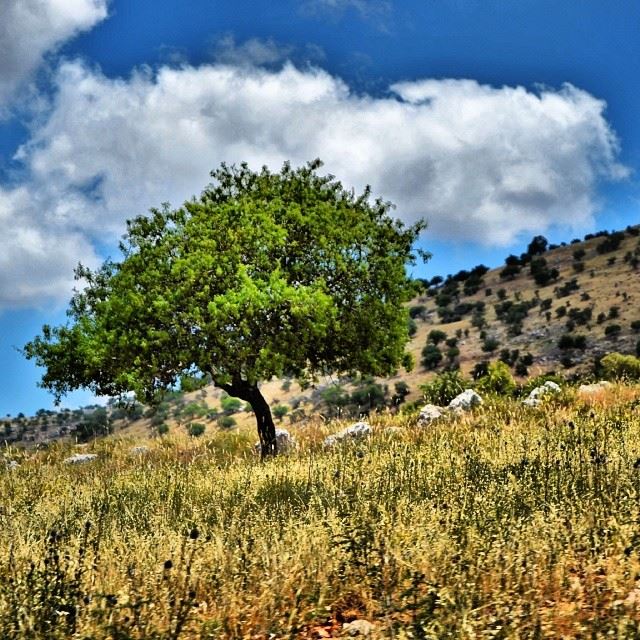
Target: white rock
(533, 399)
(354, 431)
(591, 389)
(12, 464)
(286, 442)
(80, 458)
(140, 450)
(429, 413)
(465, 401)
(357, 628)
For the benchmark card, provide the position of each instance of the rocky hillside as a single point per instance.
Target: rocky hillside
(551, 308)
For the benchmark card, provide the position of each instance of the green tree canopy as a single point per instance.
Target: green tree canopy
(266, 274)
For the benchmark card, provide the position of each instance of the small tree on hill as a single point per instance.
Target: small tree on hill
(266, 274)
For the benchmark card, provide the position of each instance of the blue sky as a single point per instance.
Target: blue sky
(495, 120)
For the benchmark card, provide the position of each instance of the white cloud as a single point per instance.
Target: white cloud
(31, 28)
(366, 8)
(482, 164)
(252, 52)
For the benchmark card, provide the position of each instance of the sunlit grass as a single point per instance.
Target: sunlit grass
(509, 522)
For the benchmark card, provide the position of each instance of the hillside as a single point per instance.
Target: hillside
(585, 303)
(587, 291)
(505, 522)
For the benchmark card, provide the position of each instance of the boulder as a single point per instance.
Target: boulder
(286, 442)
(534, 398)
(12, 464)
(356, 431)
(80, 458)
(465, 401)
(140, 450)
(357, 628)
(592, 389)
(429, 413)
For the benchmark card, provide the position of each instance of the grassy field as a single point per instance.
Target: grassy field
(508, 522)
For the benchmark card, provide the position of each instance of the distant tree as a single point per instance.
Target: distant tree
(401, 392)
(94, 423)
(436, 336)
(266, 274)
(431, 356)
(537, 246)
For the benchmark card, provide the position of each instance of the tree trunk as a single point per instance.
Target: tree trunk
(266, 428)
(264, 422)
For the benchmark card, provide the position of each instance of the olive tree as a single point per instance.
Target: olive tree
(265, 274)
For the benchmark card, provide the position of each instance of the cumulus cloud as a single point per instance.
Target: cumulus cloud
(31, 28)
(482, 164)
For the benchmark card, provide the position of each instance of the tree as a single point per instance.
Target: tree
(266, 274)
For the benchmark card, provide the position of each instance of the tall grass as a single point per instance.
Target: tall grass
(509, 522)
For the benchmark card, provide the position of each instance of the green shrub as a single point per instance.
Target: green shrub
(617, 365)
(490, 343)
(436, 336)
(280, 411)
(612, 330)
(163, 429)
(196, 429)
(431, 356)
(572, 342)
(226, 422)
(444, 388)
(498, 380)
(230, 405)
(417, 311)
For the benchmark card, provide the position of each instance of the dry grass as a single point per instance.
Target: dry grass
(507, 523)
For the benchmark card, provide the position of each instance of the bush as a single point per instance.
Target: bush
(510, 272)
(610, 243)
(280, 411)
(572, 342)
(635, 326)
(369, 395)
(436, 336)
(521, 369)
(444, 388)
(402, 390)
(431, 356)
(195, 429)
(616, 365)
(612, 330)
(230, 405)
(567, 288)
(417, 311)
(579, 253)
(335, 396)
(452, 353)
(412, 327)
(226, 422)
(490, 344)
(163, 429)
(498, 380)
(614, 312)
